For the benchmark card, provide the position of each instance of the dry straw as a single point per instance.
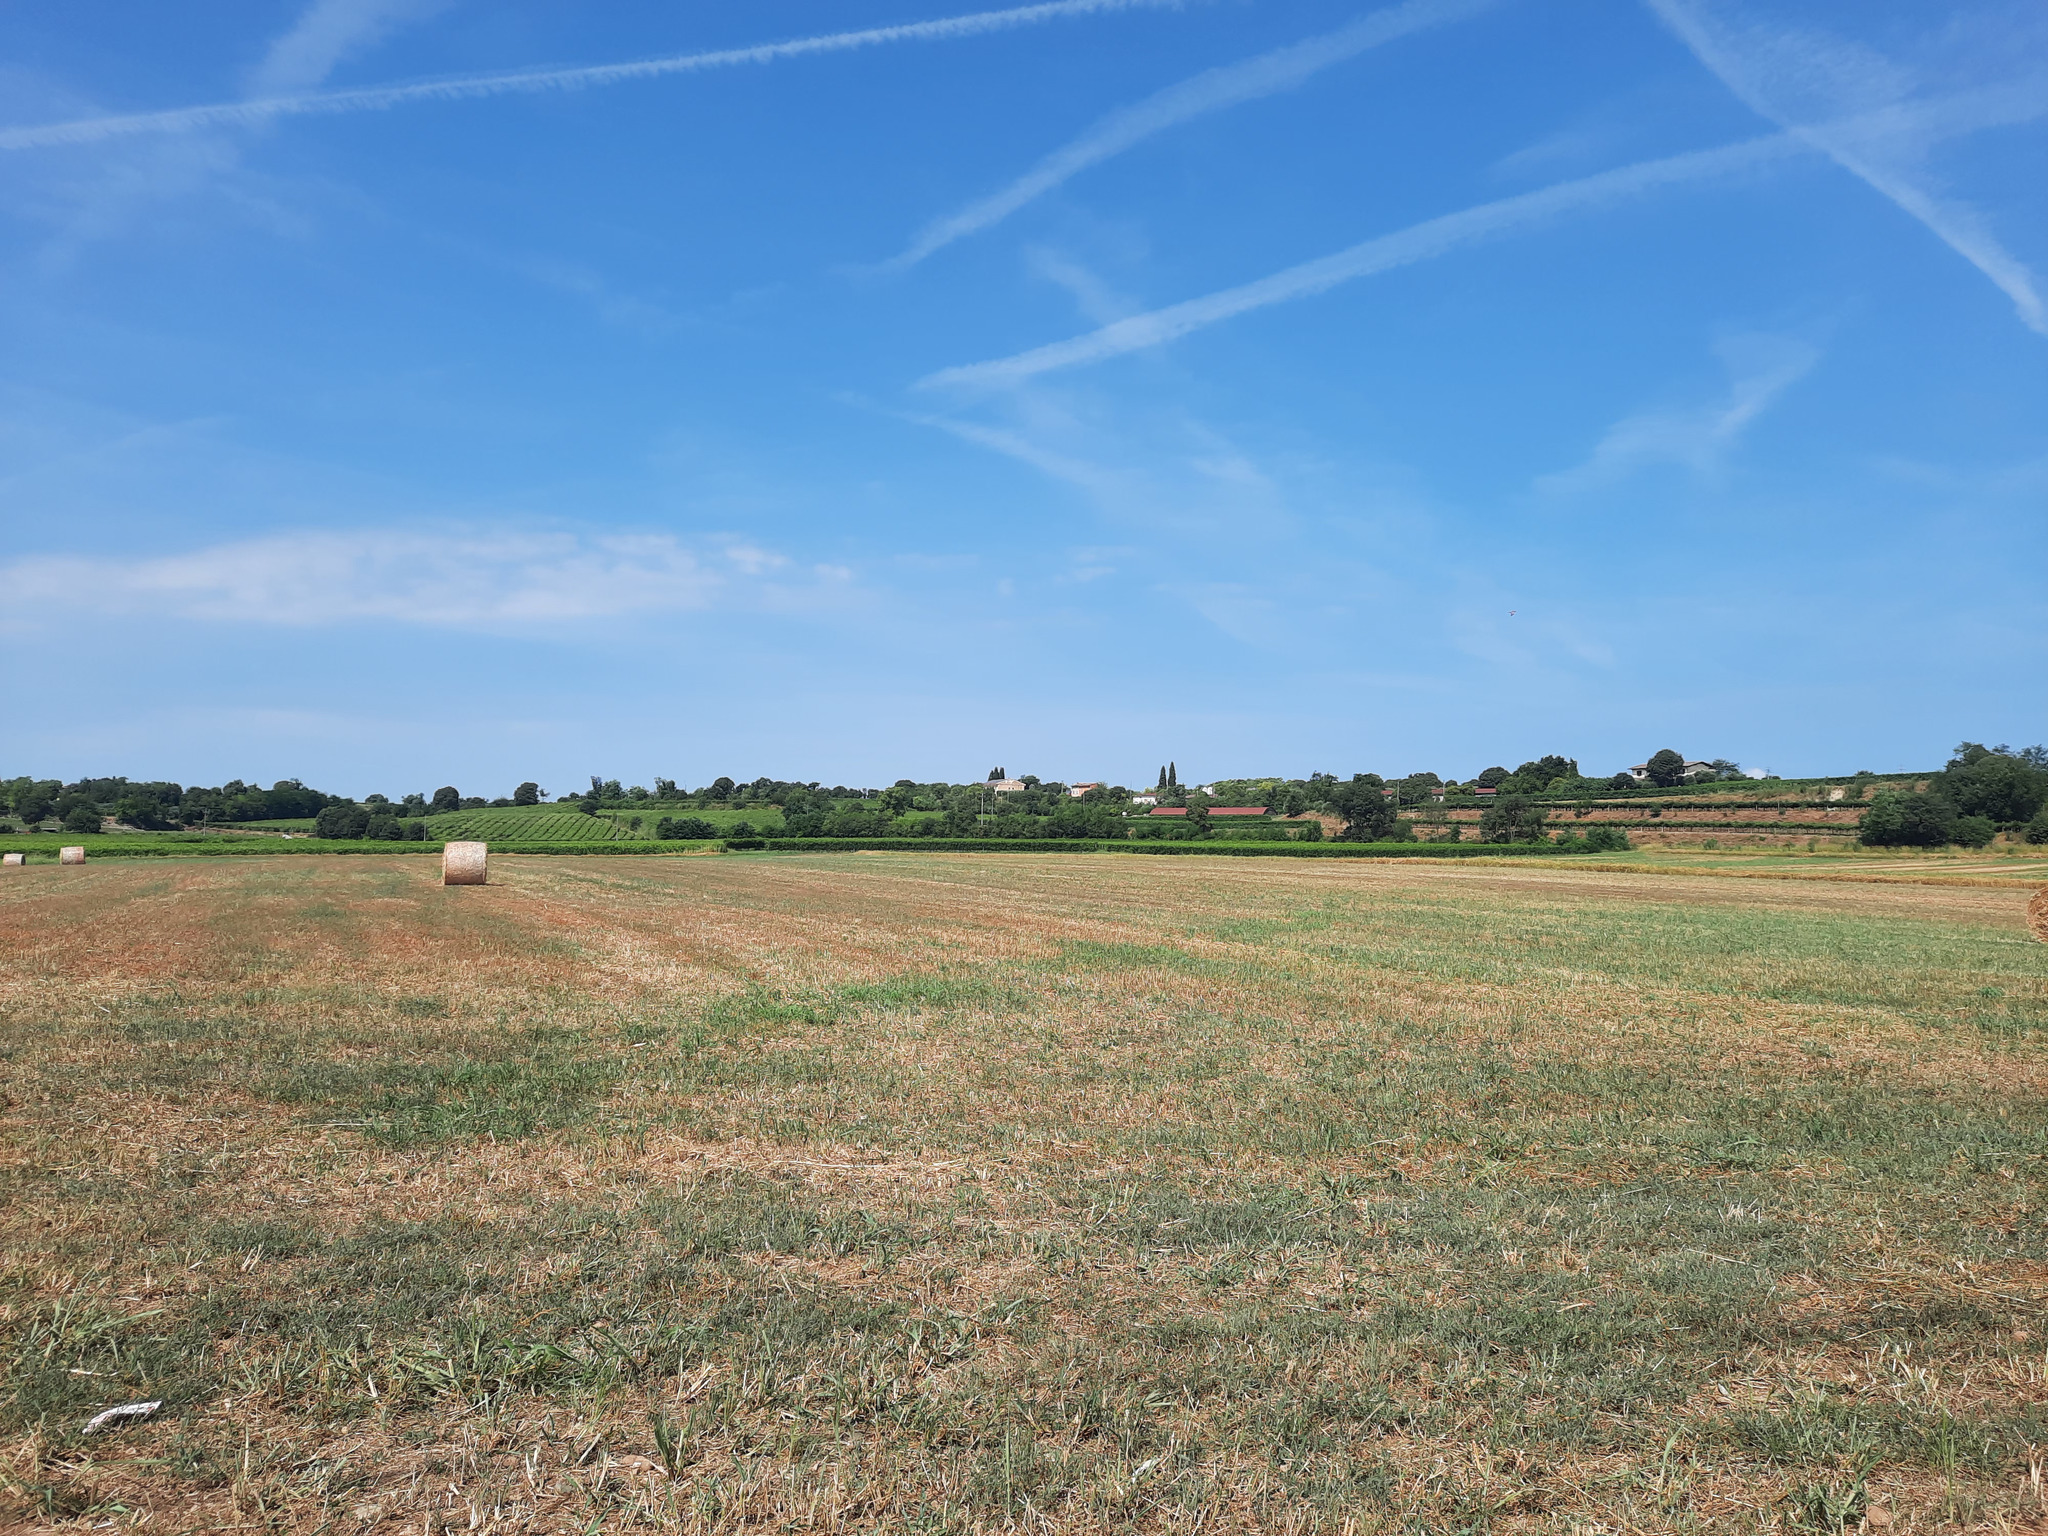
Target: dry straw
(463, 863)
(2037, 914)
(12, 858)
(72, 855)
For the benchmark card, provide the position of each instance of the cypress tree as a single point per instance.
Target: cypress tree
(1162, 776)
(1172, 777)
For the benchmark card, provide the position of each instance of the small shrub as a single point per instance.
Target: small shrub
(1974, 831)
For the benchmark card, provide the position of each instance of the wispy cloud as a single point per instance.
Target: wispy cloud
(1210, 91)
(1419, 242)
(487, 579)
(1835, 96)
(327, 32)
(1921, 122)
(1760, 368)
(186, 119)
(138, 175)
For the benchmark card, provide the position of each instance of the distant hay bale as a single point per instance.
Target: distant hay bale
(72, 855)
(12, 858)
(2037, 914)
(463, 863)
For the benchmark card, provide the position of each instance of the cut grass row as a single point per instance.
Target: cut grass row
(972, 1193)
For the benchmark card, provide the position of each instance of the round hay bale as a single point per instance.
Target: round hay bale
(72, 855)
(2037, 914)
(463, 863)
(12, 858)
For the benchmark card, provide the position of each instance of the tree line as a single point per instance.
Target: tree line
(1981, 792)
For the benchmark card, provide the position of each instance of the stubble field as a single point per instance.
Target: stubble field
(940, 1193)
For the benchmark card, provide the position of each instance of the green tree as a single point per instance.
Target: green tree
(1490, 778)
(1368, 814)
(341, 821)
(448, 798)
(141, 811)
(526, 794)
(1544, 769)
(1904, 820)
(1993, 782)
(82, 817)
(1511, 819)
(1665, 768)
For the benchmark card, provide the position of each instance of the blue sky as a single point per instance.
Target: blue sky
(393, 393)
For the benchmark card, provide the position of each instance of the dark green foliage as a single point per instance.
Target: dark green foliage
(526, 794)
(82, 817)
(1596, 840)
(1897, 820)
(143, 810)
(1369, 816)
(685, 828)
(341, 821)
(447, 798)
(1511, 819)
(1665, 767)
(1996, 783)
(1974, 831)
(1543, 770)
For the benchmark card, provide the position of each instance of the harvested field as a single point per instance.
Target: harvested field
(958, 1193)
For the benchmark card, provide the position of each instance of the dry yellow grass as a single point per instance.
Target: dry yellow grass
(964, 1193)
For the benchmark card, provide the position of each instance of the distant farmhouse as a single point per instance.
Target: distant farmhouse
(1007, 786)
(1641, 772)
(1076, 791)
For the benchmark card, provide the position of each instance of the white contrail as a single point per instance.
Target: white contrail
(184, 119)
(1806, 61)
(1419, 242)
(1210, 91)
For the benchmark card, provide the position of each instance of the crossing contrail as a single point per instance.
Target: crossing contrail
(1212, 90)
(378, 98)
(1418, 242)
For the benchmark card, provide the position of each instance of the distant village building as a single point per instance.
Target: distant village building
(1076, 791)
(1641, 772)
(1008, 786)
(1144, 799)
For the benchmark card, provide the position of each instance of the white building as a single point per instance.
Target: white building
(1641, 772)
